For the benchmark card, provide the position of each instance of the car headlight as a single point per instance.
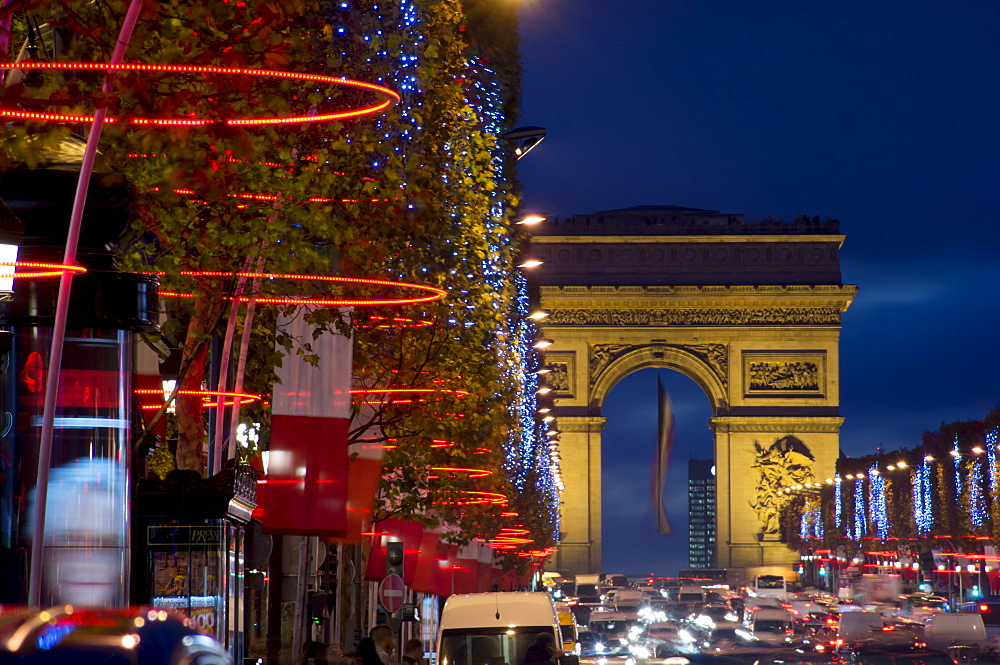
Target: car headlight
(640, 651)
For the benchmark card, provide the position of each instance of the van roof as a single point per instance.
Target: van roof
(508, 608)
(771, 613)
(613, 616)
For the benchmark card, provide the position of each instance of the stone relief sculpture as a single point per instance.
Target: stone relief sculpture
(602, 354)
(715, 356)
(799, 375)
(787, 461)
(558, 378)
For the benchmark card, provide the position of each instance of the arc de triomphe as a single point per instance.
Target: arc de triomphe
(750, 312)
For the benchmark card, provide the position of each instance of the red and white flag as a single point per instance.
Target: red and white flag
(306, 488)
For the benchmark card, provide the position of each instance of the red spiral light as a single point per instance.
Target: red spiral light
(390, 96)
(237, 398)
(471, 498)
(435, 293)
(385, 322)
(43, 269)
(470, 472)
(442, 392)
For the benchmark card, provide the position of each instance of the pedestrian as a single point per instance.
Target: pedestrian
(385, 643)
(542, 652)
(413, 653)
(366, 653)
(313, 653)
(335, 655)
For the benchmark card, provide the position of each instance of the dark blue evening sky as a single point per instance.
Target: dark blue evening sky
(882, 114)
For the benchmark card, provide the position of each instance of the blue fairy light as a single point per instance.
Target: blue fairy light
(879, 517)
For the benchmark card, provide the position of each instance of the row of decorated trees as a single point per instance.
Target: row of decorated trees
(423, 192)
(907, 501)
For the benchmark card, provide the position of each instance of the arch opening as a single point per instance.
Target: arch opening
(628, 451)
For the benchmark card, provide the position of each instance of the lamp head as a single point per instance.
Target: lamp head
(526, 138)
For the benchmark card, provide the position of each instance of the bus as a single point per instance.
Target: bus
(770, 586)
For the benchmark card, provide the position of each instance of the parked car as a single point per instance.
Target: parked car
(125, 636)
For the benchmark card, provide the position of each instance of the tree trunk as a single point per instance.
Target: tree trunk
(190, 408)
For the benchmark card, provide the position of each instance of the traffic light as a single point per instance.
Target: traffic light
(320, 606)
(394, 559)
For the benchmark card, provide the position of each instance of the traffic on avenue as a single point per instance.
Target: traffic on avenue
(678, 622)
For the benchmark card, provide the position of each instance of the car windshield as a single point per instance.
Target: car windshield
(770, 582)
(487, 646)
(770, 625)
(611, 626)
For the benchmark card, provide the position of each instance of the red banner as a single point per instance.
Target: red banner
(305, 492)
(392, 530)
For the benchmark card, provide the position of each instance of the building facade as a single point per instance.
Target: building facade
(701, 513)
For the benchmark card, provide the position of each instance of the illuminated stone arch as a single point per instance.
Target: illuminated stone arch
(750, 312)
(694, 363)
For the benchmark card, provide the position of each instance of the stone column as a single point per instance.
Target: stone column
(753, 457)
(580, 445)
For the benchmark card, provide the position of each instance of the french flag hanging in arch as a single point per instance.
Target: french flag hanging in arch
(305, 492)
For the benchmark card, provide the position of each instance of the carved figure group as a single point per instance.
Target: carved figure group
(799, 375)
(787, 461)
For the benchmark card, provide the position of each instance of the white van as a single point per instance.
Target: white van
(858, 626)
(690, 594)
(628, 600)
(614, 629)
(772, 627)
(946, 630)
(496, 628)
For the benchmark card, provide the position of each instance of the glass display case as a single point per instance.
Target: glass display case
(189, 555)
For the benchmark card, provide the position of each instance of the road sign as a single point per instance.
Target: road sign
(390, 593)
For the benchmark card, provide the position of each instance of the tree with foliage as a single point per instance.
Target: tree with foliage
(420, 193)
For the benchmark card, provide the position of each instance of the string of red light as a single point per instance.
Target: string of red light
(238, 398)
(247, 196)
(390, 96)
(44, 269)
(474, 498)
(434, 292)
(443, 393)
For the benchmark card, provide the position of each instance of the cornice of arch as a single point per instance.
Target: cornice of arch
(581, 423)
(706, 364)
(674, 296)
(796, 305)
(777, 425)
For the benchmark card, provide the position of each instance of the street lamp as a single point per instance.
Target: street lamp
(526, 137)
(531, 220)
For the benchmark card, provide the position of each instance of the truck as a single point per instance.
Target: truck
(588, 589)
(879, 589)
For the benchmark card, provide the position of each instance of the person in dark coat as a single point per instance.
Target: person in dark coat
(542, 652)
(413, 653)
(366, 652)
